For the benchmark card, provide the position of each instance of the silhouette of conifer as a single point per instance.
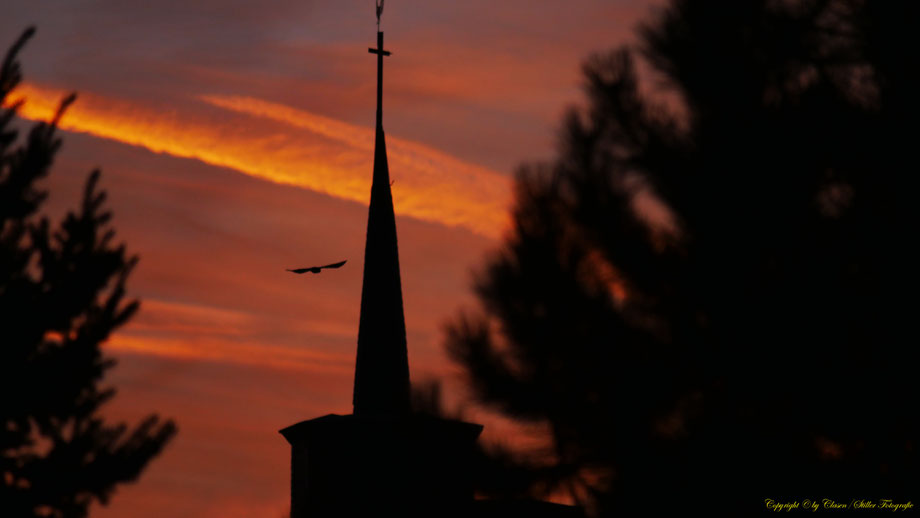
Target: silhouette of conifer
(708, 294)
(62, 293)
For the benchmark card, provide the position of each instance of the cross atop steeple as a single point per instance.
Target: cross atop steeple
(380, 54)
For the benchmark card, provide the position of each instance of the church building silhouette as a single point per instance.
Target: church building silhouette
(383, 459)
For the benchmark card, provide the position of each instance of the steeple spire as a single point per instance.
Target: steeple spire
(382, 366)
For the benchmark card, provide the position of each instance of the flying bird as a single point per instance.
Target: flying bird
(316, 269)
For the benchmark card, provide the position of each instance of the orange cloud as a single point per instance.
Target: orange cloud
(226, 351)
(305, 150)
(197, 332)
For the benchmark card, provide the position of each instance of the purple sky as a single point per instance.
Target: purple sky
(227, 343)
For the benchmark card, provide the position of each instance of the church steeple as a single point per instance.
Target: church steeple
(382, 458)
(382, 365)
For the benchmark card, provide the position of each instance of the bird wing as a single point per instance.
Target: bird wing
(300, 270)
(335, 265)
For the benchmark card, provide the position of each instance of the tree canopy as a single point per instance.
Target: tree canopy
(707, 294)
(62, 294)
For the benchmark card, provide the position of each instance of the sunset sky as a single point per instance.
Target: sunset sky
(235, 140)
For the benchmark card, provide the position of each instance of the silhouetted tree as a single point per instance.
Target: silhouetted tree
(62, 294)
(709, 294)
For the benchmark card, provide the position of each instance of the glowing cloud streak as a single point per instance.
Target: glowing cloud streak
(217, 350)
(304, 150)
(203, 333)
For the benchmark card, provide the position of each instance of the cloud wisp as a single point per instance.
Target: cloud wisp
(285, 145)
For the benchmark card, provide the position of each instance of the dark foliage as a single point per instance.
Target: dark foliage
(62, 293)
(710, 298)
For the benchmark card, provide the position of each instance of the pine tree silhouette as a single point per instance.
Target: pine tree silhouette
(708, 297)
(62, 293)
